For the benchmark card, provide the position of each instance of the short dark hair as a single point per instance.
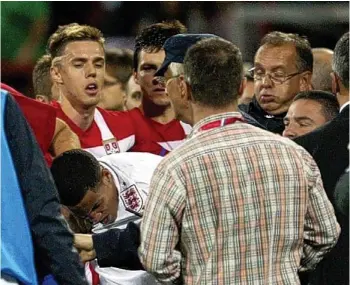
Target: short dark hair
(341, 59)
(329, 102)
(214, 69)
(75, 172)
(119, 63)
(71, 33)
(301, 43)
(41, 76)
(153, 37)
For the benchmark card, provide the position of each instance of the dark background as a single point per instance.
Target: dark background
(243, 23)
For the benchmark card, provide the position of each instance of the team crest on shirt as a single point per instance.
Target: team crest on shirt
(132, 199)
(111, 146)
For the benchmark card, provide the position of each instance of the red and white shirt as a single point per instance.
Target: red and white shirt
(114, 132)
(157, 138)
(110, 132)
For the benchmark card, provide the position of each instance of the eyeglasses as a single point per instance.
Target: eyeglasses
(276, 77)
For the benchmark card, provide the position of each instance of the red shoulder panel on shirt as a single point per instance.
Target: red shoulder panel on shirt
(41, 117)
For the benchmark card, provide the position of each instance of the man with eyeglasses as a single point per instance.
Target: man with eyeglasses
(282, 68)
(171, 73)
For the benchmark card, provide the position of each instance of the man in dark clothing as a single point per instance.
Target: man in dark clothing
(52, 241)
(328, 146)
(282, 68)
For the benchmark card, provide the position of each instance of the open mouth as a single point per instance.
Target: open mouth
(91, 89)
(159, 90)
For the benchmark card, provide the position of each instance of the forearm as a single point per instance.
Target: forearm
(64, 139)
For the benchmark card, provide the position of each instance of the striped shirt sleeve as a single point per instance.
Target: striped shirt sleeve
(321, 229)
(160, 230)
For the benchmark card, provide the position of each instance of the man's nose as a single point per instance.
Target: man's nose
(158, 80)
(90, 70)
(289, 132)
(95, 217)
(266, 81)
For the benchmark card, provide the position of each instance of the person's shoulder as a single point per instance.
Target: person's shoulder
(131, 158)
(326, 134)
(111, 115)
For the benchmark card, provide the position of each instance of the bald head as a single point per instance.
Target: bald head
(321, 79)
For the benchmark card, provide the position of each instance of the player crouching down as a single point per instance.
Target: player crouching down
(108, 193)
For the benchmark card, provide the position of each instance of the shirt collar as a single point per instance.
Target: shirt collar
(344, 105)
(213, 118)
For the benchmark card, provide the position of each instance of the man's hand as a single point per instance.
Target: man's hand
(83, 242)
(86, 256)
(85, 246)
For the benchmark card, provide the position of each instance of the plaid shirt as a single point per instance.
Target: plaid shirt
(236, 205)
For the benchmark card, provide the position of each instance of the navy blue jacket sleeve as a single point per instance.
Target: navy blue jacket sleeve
(118, 248)
(53, 242)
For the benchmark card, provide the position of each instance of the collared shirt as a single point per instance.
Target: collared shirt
(236, 205)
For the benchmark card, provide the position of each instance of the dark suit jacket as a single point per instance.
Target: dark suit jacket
(328, 145)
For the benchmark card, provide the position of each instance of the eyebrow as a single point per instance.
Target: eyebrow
(304, 118)
(84, 59)
(257, 64)
(152, 65)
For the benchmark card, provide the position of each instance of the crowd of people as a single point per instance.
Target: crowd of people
(175, 164)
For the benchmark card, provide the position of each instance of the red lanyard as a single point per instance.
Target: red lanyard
(220, 123)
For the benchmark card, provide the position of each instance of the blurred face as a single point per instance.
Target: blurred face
(152, 90)
(80, 72)
(281, 63)
(133, 94)
(177, 92)
(303, 117)
(99, 204)
(113, 95)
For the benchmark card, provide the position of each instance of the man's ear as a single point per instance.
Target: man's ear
(56, 75)
(189, 91)
(183, 86)
(305, 81)
(242, 86)
(335, 83)
(136, 78)
(106, 176)
(42, 98)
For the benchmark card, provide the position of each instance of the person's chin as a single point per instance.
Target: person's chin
(161, 101)
(268, 106)
(90, 102)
